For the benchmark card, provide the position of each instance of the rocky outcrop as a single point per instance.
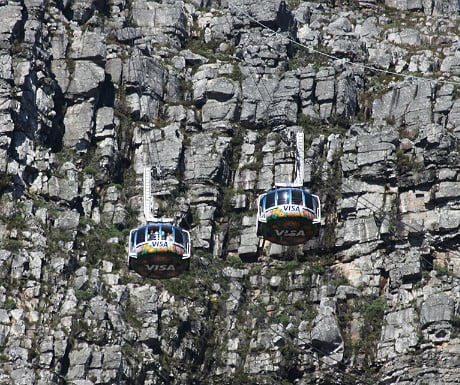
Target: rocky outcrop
(211, 94)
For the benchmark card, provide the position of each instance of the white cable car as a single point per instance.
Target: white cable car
(157, 249)
(288, 214)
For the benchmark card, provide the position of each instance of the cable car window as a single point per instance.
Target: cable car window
(270, 200)
(283, 197)
(168, 234)
(178, 237)
(309, 201)
(297, 197)
(131, 239)
(140, 235)
(154, 233)
(315, 203)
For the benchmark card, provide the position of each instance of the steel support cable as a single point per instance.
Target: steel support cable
(145, 143)
(312, 50)
(383, 213)
(358, 374)
(283, 135)
(154, 157)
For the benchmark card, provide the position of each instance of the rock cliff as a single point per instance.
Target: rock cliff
(214, 92)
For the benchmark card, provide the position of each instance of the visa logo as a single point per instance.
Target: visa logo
(159, 244)
(291, 208)
(290, 233)
(160, 267)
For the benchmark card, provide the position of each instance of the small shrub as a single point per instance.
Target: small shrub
(10, 304)
(234, 260)
(83, 295)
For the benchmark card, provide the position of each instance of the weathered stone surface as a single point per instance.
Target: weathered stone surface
(325, 334)
(399, 334)
(165, 23)
(78, 126)
(88, 45)
(208, 94)
(65, 187)
(86, 78)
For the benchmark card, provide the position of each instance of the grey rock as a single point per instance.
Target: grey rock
(68, 221)
(339, 26)
(165, 23)
(406, 37)
(65, 188)
(88, 45)
(105, 122)
(368, 28)
(192, 58)
(206, 158)
(358, 230)
(85, 84)
(128, 34)
(59, 44)
(221, 89)
(78, 126)
(399, 334)
(450, 65)
(86, 78)
(437, 307)
(214, 111)
(82, 10)
(79, 358)
(12, 18)
(325, 334)
(410, 104)
(23, 376)
(113, 68)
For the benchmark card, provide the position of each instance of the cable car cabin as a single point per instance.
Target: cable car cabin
(288, 216)
(159, 250)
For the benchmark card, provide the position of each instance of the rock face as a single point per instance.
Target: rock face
(211, 94)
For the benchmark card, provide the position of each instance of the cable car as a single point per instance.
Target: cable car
(159, 250)
(288, 216)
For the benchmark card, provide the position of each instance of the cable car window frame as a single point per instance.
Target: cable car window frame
(179, 237)
(309, 202)
(155, 228)
(268, 198)
(261, 202)
(300, 194)
(132, 241)
(283, 197)
(186, 244)
(140, 235)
